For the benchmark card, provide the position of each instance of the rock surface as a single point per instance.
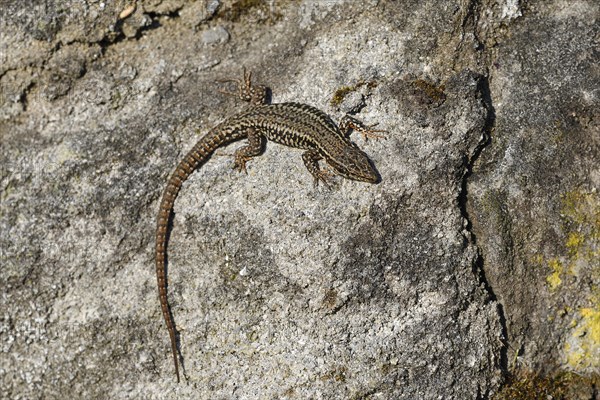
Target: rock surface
(476, 255)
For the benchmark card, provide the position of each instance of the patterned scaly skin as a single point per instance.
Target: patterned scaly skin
(291, 124)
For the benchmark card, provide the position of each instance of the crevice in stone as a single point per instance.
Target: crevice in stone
(463, 198)
(467, 24)
(25, 93)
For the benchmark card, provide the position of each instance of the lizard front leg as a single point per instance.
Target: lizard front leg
(348, 123)
(311, 160)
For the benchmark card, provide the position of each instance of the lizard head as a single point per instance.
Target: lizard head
(352, 163)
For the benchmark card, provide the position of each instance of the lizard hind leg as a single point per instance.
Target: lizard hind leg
(255, 95)
(254, 148)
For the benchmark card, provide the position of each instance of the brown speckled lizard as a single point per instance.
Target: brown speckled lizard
(292, 124)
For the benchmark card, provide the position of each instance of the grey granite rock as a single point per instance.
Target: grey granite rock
(476, 255)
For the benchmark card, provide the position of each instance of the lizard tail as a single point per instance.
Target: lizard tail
(194, 158)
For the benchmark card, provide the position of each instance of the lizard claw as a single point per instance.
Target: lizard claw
(323, 176)
(228, 93)
(240, 164)
(238, 84)
(369, 133)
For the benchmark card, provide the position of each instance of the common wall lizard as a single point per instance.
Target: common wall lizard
(292, 124)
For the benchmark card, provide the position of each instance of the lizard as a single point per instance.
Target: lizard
(292, 124)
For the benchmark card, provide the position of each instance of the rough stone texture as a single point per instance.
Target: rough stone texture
(533, 194)
(476, 255)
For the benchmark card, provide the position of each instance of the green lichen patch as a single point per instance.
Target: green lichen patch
(528, 385)
(435, 93)
(582, 208)
(342, 92)
(240, 8)
(330, 299)
(574, 242)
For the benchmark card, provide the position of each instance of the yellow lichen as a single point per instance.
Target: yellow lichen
(582, 349)
(582, 208)
(581, 215)
(592, 318)
(581, 212)
(537, 259)
(554, 279)
(574, 242)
